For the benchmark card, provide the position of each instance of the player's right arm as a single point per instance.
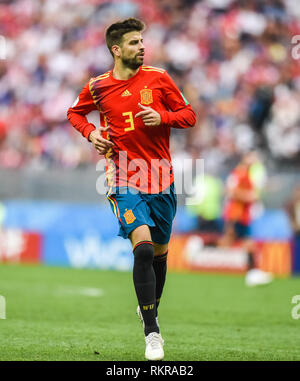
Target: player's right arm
(76, 114)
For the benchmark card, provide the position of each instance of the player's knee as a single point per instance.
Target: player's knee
(143, 252)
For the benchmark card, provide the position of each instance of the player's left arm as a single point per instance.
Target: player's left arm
(180, 113)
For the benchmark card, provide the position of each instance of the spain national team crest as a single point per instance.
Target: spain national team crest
(146, 96)
(129, 217)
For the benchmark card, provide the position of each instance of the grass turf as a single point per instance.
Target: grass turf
(202, 317)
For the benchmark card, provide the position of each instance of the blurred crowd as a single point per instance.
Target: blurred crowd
(232, 59)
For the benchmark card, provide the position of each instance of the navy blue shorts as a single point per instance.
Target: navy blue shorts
(242, 231)
(134, 208)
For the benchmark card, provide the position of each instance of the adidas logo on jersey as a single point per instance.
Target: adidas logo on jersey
(126, 93)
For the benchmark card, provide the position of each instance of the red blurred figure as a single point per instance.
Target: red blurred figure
(241, 195)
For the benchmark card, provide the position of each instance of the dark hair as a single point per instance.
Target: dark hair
(114, 33)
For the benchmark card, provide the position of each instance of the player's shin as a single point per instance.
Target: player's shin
(250, 260)
(145, 284)
(160, 269)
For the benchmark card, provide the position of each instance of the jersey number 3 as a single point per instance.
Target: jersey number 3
(129, 120)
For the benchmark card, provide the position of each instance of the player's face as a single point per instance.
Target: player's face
(132, 50)
(250, 158)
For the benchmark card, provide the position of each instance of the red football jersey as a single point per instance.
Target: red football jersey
(236, 210)
(140, 157)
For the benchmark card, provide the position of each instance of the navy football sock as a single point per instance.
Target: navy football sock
(250, 260)
(160, 269)
(145, 283)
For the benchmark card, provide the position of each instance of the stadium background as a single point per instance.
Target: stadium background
(233, 62)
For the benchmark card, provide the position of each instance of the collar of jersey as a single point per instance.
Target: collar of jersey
(124, 80)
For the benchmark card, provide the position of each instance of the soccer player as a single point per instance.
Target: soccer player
(138, 105)
(241, 195)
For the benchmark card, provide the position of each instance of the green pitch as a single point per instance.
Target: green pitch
(69, 314)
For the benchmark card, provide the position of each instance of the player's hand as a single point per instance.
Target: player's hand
(150, 117)
(102, 145)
